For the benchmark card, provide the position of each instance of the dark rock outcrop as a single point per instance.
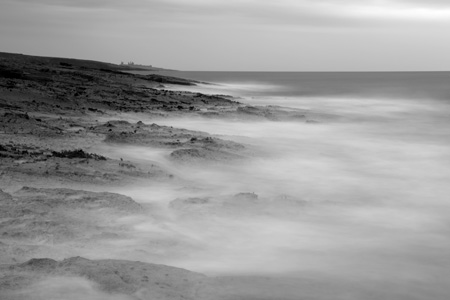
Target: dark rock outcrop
(20, 162)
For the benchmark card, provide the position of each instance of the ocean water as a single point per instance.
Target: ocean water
(435, 85)
(372, 176)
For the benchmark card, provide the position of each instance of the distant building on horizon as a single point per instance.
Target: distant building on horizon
(131, 63)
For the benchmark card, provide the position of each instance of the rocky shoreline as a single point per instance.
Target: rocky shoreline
(53, 113)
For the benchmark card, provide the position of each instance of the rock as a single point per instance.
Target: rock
(192, 145)
(69, 198)
(5, 197)
(188, 204)
(238, 205)
(112, 277)
(198, 155)
(22, 162)
(50, 216)
(44, 265)
(246, 196)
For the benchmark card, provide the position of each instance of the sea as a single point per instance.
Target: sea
(372, 173)
(434, 85)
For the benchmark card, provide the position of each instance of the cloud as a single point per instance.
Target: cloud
(72, 3)
(290, 12)
(426, 3)
(202, 30)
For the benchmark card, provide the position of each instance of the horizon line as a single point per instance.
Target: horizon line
(163, 69)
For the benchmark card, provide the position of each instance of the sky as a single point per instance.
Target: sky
(235, 35)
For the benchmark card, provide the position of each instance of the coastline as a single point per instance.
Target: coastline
(55, 114)
(114, 185)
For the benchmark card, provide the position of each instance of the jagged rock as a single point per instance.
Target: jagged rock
(23, 161)
(193, 145)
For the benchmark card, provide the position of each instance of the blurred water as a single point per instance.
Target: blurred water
(374, 184)
(418, 85)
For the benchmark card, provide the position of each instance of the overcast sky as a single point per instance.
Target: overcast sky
(276, 35)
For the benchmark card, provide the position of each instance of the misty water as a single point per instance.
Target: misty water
(358, 198)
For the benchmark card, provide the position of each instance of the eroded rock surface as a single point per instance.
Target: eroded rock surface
(29, 163)
(190, 146)
(34, 218)
(110, 278)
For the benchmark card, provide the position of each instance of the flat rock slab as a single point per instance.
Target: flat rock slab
(32, 219)
(111, 278)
